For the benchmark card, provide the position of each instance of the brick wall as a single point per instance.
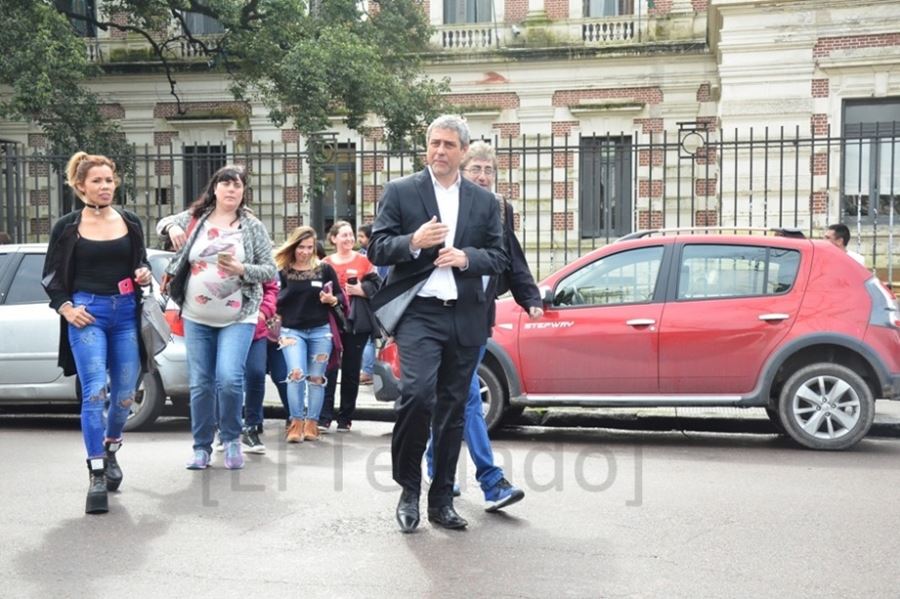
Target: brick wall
(819, 163)
(508, 190)
(39, 197)
(705, 187)
(826, 45)
(661, 7)
(293, 195)
(563, 128)
(371, 193)
(290, 136)
(818, 124)
(647, 188)
(494, 99)
(164, 138)
(556, 9)
(563, 221)
(650, 219)
(819, 202)
(563, 159)
(648, 126)
(515, 10)
(572, 97)
(37, 140)
(507, 129)
(819, 88)
(646, 159)
(706, 218)
(703, 93)
(111, 111)
(563, 190)
(508, 161)
(700, 5)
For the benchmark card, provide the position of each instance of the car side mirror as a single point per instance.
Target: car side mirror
(546, 296)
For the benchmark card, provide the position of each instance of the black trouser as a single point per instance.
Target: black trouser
(436, 372)
(351, 363)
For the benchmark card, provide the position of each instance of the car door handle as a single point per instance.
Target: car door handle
(774, 317)
(640, 322)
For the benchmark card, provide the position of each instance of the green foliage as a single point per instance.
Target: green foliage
(307, 61)
(44, 64)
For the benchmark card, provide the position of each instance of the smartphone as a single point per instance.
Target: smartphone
(327, 287)
(352, 279)
(225, 255)
(126, 286)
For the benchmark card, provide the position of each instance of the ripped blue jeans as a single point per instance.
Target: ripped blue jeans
(306, 354)
(108, 362)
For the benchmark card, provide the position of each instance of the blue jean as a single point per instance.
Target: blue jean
(476, 435)
(278, 372)
(216, 359)
(106, 348)
(255, 382)
(368, 361)
(306, 354)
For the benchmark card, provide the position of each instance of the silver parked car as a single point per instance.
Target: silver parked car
(29, 340)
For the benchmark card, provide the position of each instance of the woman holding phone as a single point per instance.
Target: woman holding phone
(309, 291)
(217, 278)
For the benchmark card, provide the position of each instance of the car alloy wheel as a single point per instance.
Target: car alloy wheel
(826, 406)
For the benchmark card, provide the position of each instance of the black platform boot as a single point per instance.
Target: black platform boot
(113, 471)
(96, 498)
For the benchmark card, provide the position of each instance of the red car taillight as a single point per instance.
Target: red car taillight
(175, 322)
(885, 311)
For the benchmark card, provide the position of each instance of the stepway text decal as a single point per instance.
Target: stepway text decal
(562, 324)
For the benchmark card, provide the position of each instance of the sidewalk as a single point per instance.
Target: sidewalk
(725, 420)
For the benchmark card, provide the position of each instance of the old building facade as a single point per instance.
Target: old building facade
(608, 115)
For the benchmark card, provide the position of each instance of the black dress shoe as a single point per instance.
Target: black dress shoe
(408, 511)
(447, 517)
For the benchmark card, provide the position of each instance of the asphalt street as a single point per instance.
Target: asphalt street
(607, 513)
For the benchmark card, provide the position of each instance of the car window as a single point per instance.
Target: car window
(4, 260)
(715, 271)
(26, 285)
(627, 277)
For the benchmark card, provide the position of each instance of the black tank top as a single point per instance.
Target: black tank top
(100, 265)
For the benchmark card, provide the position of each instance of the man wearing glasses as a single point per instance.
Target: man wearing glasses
(479, 165)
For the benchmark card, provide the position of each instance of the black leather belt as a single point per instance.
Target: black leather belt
(436, 301)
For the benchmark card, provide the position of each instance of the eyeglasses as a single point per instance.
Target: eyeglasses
(477, 170)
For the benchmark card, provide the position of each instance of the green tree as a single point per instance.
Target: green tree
(306, 61)
(45, 64)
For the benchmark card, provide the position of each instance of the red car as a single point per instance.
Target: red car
(792, 325)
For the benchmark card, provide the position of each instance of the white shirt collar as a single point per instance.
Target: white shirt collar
(436, 183)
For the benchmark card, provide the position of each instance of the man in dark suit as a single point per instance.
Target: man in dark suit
(437, 227)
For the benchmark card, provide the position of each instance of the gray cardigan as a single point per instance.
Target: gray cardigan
(259, 266)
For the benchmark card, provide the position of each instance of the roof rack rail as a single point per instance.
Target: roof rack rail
(777, 231)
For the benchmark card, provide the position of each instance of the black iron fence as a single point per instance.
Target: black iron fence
(570, 194)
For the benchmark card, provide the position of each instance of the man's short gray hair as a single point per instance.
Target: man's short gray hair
(479, 150)
(450, 122)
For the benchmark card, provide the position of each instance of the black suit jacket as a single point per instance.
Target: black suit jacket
(517, 276)
(408, 203)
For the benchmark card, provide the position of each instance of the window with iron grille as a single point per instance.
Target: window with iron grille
(870, 187)
(200, 162)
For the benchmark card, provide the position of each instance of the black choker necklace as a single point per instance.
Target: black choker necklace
(97, 209)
